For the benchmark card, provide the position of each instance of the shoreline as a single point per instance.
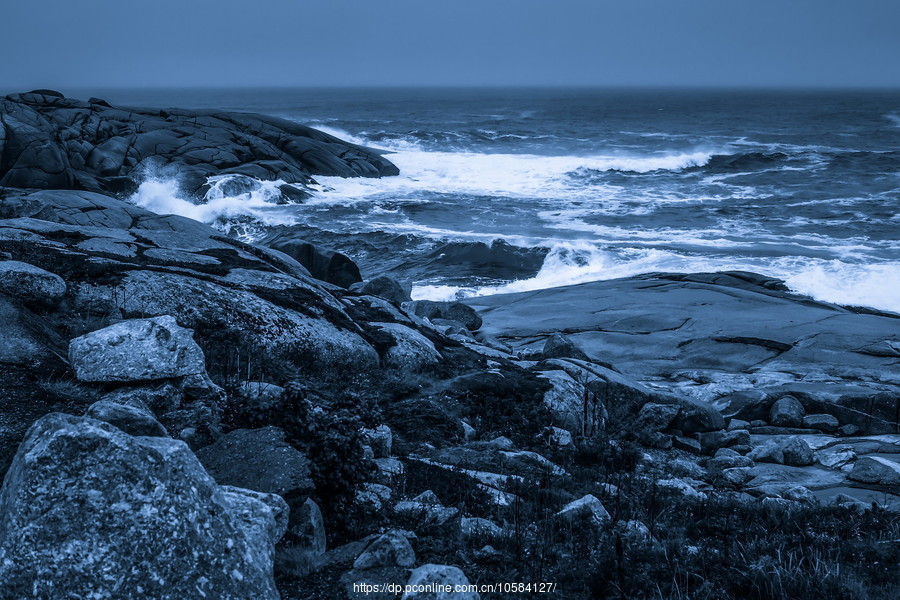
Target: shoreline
(339, 432)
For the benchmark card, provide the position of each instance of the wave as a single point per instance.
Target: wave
(497, 175)
(239, 205)
(893, 118)
(836, 281)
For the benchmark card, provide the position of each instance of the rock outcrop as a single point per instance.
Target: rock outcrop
(88, 511)
(52, 142)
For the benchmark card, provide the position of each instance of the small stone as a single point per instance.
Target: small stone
(848, 430)
(380, 439)
(433, 576)
(826, 423)
(687, 444)
(585, 507)
(737, 424)
(384, 287)
(480, 528)
(391, 549)
(799, 493)
(307, 527)
(129, 419)
(737, 476)
(560, 346)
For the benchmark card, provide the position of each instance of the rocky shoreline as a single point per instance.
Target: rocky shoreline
(186, 415)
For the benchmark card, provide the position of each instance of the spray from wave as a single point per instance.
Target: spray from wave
(238, 209)
(498, 175)
(570, 263)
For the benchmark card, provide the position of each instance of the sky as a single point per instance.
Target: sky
(224, 43)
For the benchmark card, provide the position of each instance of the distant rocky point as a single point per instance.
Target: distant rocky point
(49, 141)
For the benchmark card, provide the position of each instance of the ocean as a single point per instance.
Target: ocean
(507, 190)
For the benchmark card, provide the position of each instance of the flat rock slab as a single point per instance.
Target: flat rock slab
(708, 334)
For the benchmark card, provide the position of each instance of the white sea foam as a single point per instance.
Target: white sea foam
(846, 283)
(497, 175)
(163, 196)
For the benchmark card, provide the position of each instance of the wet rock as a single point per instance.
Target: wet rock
(30, 284)
(876, 470)
(453, 311)
(438, 577)
(258, 459)
(389, 550)
(136, 350)
(325, 265)
(560, 346)
(786, 412)
(129, 419)
(384, 287)
(91, 512)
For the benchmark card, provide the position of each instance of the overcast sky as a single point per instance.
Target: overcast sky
(106, 43)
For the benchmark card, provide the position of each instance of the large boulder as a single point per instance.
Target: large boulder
(29, 283)
(87, 511)
(137, 350)
(876, 470)
(325, 265)
(257, 459)
(786, 412)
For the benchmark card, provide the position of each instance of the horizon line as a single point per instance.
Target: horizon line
(608, 87)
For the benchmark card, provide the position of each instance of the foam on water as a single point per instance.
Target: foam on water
(163, 196)
(568, 263)
(498, 175)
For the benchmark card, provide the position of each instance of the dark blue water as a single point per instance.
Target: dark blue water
(505, 190)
